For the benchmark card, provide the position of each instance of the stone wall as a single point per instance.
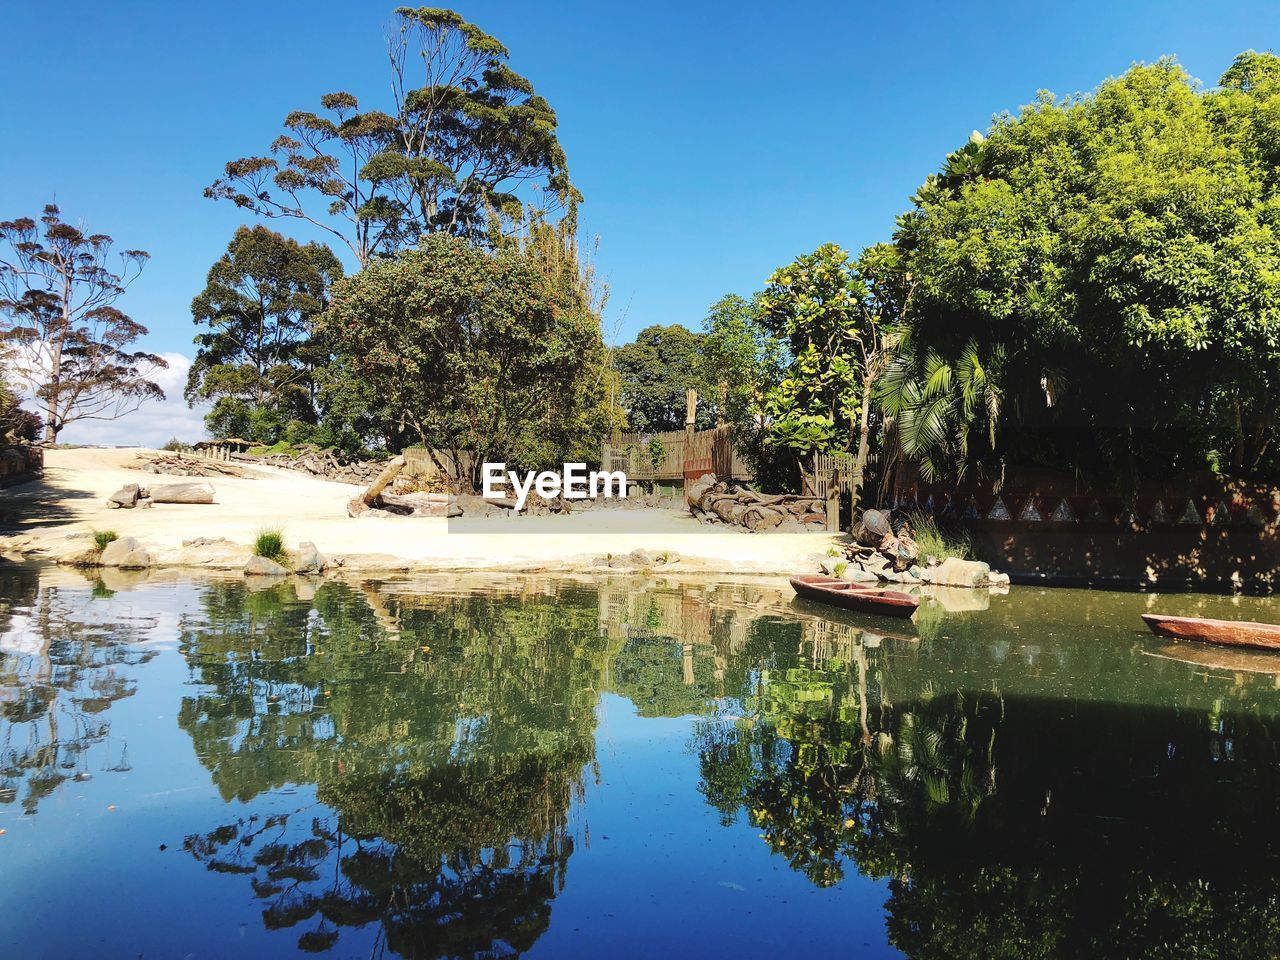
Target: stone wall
(1193, 532)
(20, 463)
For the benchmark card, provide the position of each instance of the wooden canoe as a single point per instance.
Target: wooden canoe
(855, 596)
(1227, 633)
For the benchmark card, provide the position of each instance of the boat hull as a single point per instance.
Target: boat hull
(1226, 633)
(855, 597)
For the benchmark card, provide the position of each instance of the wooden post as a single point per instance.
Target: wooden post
(833, 501)
(690, 417)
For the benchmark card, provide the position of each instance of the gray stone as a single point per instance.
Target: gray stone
(309, 559)
(126, 497)
(858, 575)
(999, 579)
(828, 565)
(641, 558)
(126, 553)
(183, 493)
(954, 572)
(262, 567)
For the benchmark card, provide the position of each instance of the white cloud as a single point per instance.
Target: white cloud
(153, 423)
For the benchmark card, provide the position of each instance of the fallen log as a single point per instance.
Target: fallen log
(182, 493)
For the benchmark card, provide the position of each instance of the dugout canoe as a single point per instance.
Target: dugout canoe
(855, 596)
(1226, 633)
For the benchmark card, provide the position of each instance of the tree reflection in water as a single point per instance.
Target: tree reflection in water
(449, 737)
(63, 663)
(1016, 824)
(1025, 780)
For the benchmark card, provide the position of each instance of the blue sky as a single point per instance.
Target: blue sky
(713, 141)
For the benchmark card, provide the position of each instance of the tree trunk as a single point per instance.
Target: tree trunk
(864, 446)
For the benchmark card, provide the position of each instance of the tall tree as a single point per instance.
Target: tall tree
(257, 361)
(740, 360)
(66, 342)
(656, 372)
(839, 330)
(472, 351)
(463, 136)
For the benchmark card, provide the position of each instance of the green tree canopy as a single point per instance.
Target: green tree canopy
(656, 371)
(837, 333)
(498, 353)
(1111, 259)
(463, 136)
(258, 358)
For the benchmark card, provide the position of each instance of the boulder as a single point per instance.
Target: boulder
(262, 567)
(183, 493)
(126, 553)
(954, 572)
(858, 575)
(309, 559)
(126, 497)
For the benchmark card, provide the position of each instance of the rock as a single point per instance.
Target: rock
(914, 571)
(183, 493)
(453, 510)
(954, 572)
(144, 503)
(858, 575)
(309, 559)
(262, 567)
(641, 558)
(203, 541)
(998, 579)
(126, 553)
(828, 565)
(126, 497)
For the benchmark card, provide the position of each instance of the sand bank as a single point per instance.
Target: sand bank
(52, 518)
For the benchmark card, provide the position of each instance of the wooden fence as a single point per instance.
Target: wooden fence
(675, 455)
(825, 465)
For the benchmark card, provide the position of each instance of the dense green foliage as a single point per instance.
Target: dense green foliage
(258, 361)
(497, 353)
(1108, 263)
(463, 133)
(655, 371)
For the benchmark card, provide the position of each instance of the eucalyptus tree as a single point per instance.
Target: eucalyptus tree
(464, 144)
(65, 341)
(258, 355)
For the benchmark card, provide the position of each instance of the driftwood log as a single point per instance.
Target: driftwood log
(375, 501)
(724, 501)
(182, 493)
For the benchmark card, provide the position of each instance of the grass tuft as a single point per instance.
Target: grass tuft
(103, 537)
(935, 540)
(270, 544)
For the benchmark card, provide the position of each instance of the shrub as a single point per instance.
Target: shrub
(935, 540)
(270, 544)
(103, 537)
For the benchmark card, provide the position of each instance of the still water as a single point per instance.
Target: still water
(625, 768)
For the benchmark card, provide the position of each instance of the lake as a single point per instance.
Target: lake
(463, 767)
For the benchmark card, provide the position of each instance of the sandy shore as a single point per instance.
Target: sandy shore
(54, 517)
